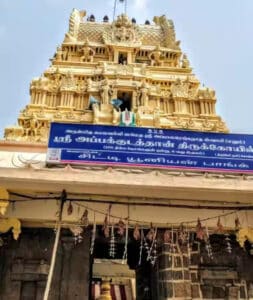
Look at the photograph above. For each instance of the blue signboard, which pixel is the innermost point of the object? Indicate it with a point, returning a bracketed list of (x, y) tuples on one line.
[(149, 147)]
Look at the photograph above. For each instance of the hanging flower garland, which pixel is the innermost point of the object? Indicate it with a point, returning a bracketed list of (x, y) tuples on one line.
[(220, 228), (121, 228), (84, 219), (153, 249), (208, 245), (112, 243), (70, 209), (106, 228), (126, 243), (228, 243), (77, 232), (141, 247), (182, 235), (167, 236), (237, 223), (189, 245), (93, 235), (136, 233), (200, 230), (149, 244)]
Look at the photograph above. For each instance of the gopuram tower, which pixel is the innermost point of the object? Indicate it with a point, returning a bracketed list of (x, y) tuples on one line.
[(142, 65)]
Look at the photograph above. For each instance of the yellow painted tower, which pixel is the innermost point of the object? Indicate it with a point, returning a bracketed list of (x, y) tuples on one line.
[(143, 65)]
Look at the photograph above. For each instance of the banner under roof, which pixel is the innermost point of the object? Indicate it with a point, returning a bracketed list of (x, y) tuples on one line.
[(149, 147)]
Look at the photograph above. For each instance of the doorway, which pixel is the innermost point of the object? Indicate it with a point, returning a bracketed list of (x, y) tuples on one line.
[(126, 98), (109, 267), (117, 274)]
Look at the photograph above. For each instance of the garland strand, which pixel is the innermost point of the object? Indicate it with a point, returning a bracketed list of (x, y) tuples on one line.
[(93, 235), (132, 220), (126, 242), (148, 222)]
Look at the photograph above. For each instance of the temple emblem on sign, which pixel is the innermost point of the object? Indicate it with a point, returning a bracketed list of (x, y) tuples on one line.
[(104, 73)]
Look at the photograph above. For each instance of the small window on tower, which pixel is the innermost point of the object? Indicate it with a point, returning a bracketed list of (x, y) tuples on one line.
[(122, 58), (126, 98)]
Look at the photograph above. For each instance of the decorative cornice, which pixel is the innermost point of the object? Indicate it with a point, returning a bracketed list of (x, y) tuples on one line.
[(146, 183)]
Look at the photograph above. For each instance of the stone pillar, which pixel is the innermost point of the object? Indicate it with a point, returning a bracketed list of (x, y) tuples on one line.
[(116, 56), (177, 106), (15, 290), (194, 271), (67, 99), (129, 58), (67, 245), (41, 285), (71, 100), (250, 291), (54, 100), (191, 108), (24, 266), (233, 293), (183, 107), (33, 94), (212, 108), (158, 102), (39, 99), (134, 100), (28, 290), (174, 276), (36, 97), (207, 108), (202, 108), (43, 97)]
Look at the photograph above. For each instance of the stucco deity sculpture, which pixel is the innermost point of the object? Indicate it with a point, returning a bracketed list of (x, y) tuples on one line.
[(59, 54), (105, 92), (180, 89), (185, 62), (87, 52), (143, 95), (95, 108), (155, 56), (89, 83), (68, 82)]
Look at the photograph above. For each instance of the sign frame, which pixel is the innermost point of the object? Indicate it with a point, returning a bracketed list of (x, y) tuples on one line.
[(155, 148)]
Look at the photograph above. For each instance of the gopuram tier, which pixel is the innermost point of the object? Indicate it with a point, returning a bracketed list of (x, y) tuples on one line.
[(107, 73)]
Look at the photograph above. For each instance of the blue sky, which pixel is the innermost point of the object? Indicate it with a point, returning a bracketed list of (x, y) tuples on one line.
[(217, 35)]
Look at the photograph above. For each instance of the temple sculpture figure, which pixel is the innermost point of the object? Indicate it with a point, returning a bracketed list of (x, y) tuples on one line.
[(143, 63)]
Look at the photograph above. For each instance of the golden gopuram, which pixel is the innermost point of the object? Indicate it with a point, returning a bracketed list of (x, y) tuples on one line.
[(96, 231), (143, 65)]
